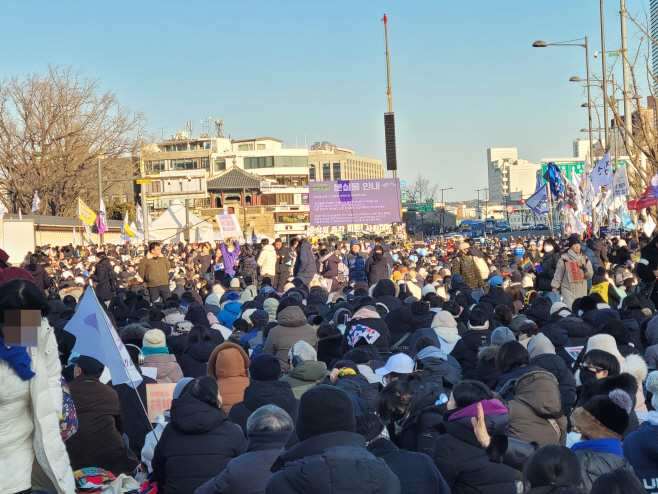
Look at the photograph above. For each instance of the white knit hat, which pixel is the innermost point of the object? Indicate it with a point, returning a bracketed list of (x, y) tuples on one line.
[(154, 338), (218, 289), (557, 307), (606, 343), (235, 283)]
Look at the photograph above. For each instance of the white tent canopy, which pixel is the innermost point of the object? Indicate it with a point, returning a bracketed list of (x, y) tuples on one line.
[(136, 240), (170, 226)]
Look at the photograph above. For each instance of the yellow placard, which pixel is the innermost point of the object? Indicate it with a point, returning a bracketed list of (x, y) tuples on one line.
[(85, 213)]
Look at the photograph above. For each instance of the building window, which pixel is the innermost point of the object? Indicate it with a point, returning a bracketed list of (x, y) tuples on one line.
[(311, 173), (185, 164), (246, 147), (326, 172), (268, 200), (260, 146), (262, 162), (205, 163), (291, 161), (292, 180), (156, 166), (336, 171), (181, 147), (220, 164)]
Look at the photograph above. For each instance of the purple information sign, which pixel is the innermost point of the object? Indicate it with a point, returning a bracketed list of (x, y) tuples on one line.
[(355, 202)]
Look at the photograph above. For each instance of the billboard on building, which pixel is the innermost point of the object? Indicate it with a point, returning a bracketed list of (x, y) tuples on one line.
[(349, 202)]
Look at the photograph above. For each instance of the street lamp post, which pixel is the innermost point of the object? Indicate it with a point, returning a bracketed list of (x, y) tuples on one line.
[(443, 209)]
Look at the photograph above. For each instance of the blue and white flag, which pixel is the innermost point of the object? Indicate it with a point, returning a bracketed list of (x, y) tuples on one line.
[(35, 202), (97, 338), (538, 202), (254, 239), (602, 172), (626, 222)]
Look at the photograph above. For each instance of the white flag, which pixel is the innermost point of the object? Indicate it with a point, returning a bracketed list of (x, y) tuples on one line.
[(575, 224), (35, 202), (20, 214), (75, 238), (148, 215), (538, 202), (97, 338), (3, 210), (620, 182), (602, 173), (87, 229), (139, 217), (649, 226)]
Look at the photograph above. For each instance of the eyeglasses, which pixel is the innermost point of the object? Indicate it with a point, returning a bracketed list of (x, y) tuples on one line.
[(595, 368)]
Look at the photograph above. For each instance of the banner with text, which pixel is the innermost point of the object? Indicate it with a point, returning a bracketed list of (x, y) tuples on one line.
[(85, 213), (349, 202), (229, 226)]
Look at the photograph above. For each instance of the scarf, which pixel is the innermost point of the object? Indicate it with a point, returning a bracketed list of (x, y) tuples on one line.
[(18, 359), (607, 445), (155, 350), (573, 256), (366, 312)]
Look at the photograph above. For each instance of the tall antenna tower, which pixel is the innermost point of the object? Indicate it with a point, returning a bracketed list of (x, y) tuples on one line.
[(389, 118)]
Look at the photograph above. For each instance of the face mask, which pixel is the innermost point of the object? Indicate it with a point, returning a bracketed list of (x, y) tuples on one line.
[(548, 248), (587, 376)]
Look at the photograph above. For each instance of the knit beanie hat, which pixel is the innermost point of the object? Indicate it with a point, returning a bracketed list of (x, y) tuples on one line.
[(154, 338), (218, 289), (604, 416), (557, 307), (324, 409), (265, 367), (180, 386), (652, 387), (573, 240), (259, 318), (502, 335), (197, 315), (235, 283)]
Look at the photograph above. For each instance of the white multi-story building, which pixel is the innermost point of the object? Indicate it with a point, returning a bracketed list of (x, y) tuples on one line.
[(328, 162), (580, 148), (510, 176)]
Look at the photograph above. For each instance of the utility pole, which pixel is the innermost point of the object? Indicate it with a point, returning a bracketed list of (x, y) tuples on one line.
[(605, 81), (100, 197), (627, 97), (443, 209), (478, 203), (389, 95)]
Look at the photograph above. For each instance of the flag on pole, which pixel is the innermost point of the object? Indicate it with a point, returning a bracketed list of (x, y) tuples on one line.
[(649, 226), (626, 222), (20, 214), (101, 219), (139, 217), (653, 183), (148, 216), (75, 238), (254, 239), (620, 182), (125, 227), (538, 202), (644, 201), (97, 338), (602, 173), (553, 176), (35, 202), (3, 210), (87, 229), (575, 224)]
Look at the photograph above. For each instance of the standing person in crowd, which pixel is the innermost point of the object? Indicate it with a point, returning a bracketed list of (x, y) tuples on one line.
[(377, 267), (330, 270), (647, 269), (355, 260), (229, 254), (154, 270), (266, 261), (305, 266), (39, 275), (465, 266), (283, 262), (572, 288), (202, 263), (31, 401), (104, 278)]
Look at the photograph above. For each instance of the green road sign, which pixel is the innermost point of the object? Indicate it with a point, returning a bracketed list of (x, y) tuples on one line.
[(425, 207)]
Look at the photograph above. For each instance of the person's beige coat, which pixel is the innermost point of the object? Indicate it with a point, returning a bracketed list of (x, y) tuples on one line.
[(267, 260), (168, 369), (571, 291), (32, 453), (292, 327)]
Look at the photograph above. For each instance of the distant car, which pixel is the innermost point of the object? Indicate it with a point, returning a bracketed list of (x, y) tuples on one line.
[(526, 226), (541, 226)]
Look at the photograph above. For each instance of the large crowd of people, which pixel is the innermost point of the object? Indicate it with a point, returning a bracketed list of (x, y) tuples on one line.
[(455, 365)]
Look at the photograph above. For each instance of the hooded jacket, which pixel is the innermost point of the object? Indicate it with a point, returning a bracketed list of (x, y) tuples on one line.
[(229, 258), (261, 393), (436, 368), (196, 446), (154, 270), (377, 268), (267, 260), (305, 266), (486, 370), (194, 362), (104, 277), (399, 322), (578, 330), (168, 369), (356, 263), (386, 292), (305, 375), (229, 314), (229, 364), (496, 297), (291, 328), (466, 349), (641, 450), (333, 463), (542, 354), (372, 320), (559, 338), (445, 327)]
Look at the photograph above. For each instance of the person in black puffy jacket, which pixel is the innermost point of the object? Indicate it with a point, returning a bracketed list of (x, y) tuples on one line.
[(330, 457), (467, 347), (385, 292), (194, 360), (104, 277), (198, 443), (264, 389)]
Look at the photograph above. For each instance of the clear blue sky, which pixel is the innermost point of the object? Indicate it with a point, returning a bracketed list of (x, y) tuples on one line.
[(464, 74)]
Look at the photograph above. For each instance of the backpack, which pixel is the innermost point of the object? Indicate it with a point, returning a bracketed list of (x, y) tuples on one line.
[(343, 276)]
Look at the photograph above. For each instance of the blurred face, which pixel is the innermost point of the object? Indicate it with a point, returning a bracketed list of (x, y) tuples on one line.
[(278, 245), (576, 248), (356, 248), (156, 251)]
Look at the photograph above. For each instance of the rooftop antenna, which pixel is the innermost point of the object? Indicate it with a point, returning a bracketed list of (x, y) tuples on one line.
[(189, 128), (219, 127)]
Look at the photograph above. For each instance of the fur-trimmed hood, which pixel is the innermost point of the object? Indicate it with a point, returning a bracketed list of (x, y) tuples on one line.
[(488, 353), (636, 367)]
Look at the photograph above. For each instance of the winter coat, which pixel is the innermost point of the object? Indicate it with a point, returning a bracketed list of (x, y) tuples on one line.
[(465, 465), (357, 385), (136, 423), (229, 258), (196, 446), (41, 279), (229, 364), (465, 266), (377, 268), (641, 451), (385, 292), (333, 463), (99, 441), (648, 263), (283, 257), (305, 375), (416, 471), (559, 338), (267, 260), (330, 271), (467, 347), (245, 268), (356, 262), (418, 430), (572, 290), (168, 369), (105, 279), (194, 362), (382, 343), (600, 252), (535, 409), (567, 384), (434, 366), (548, 265), (291, 328), (154, 270), (248, 473), (29, 422), (594, 463), (486, 370), (400, 324), (305, 266), (496, 297), (634, 332), (261, 393), (202, 263), (577, 329), (229, 314)]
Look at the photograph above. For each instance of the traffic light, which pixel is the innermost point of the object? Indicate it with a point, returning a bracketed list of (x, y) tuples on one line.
[(516, 210)]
